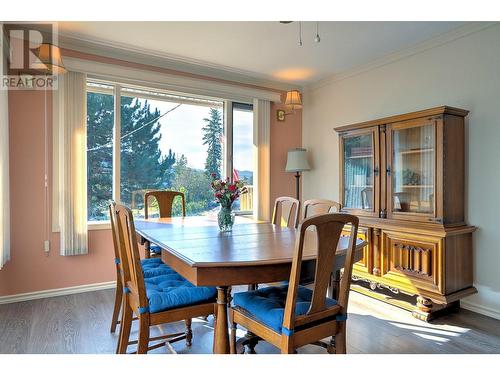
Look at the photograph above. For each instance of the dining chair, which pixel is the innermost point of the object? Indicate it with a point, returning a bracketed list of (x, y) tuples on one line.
[(155, 300), (291, 316), (313, 207), (151, 267), (165, 200), (286, 212)]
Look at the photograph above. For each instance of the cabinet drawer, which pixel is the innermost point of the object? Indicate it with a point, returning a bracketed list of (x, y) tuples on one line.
[(365, 264), (414, 262)]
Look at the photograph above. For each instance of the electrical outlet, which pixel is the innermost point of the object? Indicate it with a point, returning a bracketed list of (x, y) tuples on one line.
[(46, 246)]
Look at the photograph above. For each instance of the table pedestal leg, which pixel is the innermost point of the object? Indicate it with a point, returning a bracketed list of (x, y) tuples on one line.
[(221, 334)]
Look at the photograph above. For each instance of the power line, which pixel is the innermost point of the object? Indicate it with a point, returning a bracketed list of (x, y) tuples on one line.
[(110, 144)]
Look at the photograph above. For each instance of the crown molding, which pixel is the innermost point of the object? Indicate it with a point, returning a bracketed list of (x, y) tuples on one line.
[(150, 57), (434, 42)]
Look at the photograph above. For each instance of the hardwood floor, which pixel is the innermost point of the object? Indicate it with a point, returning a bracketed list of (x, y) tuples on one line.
[(79, 323)]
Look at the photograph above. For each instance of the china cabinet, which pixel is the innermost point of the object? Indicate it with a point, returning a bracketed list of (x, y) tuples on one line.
[(404, 177)]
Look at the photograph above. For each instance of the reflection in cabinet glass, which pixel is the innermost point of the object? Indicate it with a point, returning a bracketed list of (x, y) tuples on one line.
[(358, 172), (413, 169)]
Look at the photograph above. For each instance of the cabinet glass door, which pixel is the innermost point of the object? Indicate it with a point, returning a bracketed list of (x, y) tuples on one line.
[(359, 160), (413, 169)]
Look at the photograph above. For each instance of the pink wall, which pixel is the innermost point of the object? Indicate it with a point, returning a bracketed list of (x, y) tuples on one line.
[(285, 135), (30, 269)]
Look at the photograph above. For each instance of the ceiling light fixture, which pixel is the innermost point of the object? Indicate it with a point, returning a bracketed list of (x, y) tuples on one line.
[(317, 38)]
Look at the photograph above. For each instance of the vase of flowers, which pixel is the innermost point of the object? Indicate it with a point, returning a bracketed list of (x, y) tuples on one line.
[(225, 193)]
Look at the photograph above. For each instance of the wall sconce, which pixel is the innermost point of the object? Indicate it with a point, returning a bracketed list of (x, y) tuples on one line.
[(50, 58), (293, 101)]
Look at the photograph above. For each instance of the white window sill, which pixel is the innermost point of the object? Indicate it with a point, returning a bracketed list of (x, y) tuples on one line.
[(98, 225)]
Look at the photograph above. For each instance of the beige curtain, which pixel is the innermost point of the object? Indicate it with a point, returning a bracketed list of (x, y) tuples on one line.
[(4, 175), (261, 141), (72, 164)]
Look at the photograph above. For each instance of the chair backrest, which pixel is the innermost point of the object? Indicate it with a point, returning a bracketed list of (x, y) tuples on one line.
[(165, 199), (286, 212), (313, 207), (130, 260), (323, 233)]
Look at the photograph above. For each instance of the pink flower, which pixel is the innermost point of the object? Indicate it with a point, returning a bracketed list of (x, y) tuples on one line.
[(232, 188)]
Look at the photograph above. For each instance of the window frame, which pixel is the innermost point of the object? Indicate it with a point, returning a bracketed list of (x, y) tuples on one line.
[(116, 90)]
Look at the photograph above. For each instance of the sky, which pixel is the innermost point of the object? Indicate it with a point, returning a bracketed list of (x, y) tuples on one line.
[(182, 132)]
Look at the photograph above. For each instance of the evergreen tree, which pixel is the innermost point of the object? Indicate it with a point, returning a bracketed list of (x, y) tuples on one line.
[(142, 164), (212, 138), (100, 114), (141, 159)]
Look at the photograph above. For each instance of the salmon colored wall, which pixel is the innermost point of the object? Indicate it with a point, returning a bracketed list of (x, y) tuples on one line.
[(284, 136), (30, 269)]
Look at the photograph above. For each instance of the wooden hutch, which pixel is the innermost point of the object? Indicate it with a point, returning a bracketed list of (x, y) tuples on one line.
[(404, 177)]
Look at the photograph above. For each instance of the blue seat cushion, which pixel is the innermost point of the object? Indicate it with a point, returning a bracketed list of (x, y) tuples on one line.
[(267, 305), (155, 249), (155, 267), (171, 291)]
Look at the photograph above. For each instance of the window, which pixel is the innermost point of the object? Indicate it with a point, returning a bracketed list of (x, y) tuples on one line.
[(243, 148), (141, 139)]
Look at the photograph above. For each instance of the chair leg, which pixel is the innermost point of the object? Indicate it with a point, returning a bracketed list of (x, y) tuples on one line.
[(287, 345), (340, 339), (125, 326), (116, 309), (189, 333), (143, 342), (232, 337)]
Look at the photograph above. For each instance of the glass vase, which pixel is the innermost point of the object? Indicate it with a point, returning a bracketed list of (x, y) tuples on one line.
[(225, 218)]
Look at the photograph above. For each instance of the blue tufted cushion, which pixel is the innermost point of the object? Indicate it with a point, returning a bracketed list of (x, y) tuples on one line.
[(155, 249), (155, 267), (171, 291), (267, 305)]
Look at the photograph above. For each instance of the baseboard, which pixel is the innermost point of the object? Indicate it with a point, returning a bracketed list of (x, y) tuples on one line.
[(483, 310), (56, 292)]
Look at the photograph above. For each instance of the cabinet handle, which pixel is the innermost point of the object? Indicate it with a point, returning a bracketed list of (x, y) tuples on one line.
[(388, 171), (376, 171)]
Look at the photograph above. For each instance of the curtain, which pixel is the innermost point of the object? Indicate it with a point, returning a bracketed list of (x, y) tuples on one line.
[(4, 177), (261, 140), (72, 165)]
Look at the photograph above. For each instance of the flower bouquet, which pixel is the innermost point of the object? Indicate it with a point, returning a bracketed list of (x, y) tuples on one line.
[(226, 192)]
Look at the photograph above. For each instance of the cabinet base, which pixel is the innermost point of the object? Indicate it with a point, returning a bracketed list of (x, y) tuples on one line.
[(419, 309)]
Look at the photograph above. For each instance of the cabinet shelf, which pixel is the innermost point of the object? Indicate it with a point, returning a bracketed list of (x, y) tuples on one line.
[(416, 151), (360, 156), (417, 186)]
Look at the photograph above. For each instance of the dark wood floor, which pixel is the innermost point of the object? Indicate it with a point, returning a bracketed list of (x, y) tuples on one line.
[(79, 323)]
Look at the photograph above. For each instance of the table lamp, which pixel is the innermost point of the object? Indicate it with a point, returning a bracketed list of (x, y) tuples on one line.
[(297, 162)]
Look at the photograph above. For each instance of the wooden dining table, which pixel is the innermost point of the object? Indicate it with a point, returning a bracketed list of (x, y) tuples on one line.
[(254, 252)]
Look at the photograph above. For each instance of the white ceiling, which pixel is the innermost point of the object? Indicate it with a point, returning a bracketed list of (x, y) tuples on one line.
[(265, 50)]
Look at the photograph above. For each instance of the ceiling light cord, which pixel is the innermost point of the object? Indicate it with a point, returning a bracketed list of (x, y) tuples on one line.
[(300, 33)]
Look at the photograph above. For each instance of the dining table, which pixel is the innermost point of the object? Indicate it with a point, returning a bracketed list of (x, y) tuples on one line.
[(254, 252)]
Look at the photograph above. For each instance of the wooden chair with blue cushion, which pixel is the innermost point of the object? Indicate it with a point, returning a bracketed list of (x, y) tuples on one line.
[(151, 267), (291, 316), (165, 200), (154, 300)]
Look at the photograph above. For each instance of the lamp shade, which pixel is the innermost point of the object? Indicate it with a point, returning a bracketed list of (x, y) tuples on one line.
[(293, 99), (297, 160), (50, 56)]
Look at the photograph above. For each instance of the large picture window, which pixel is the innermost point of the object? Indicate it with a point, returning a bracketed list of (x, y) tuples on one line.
[(142, 139)]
